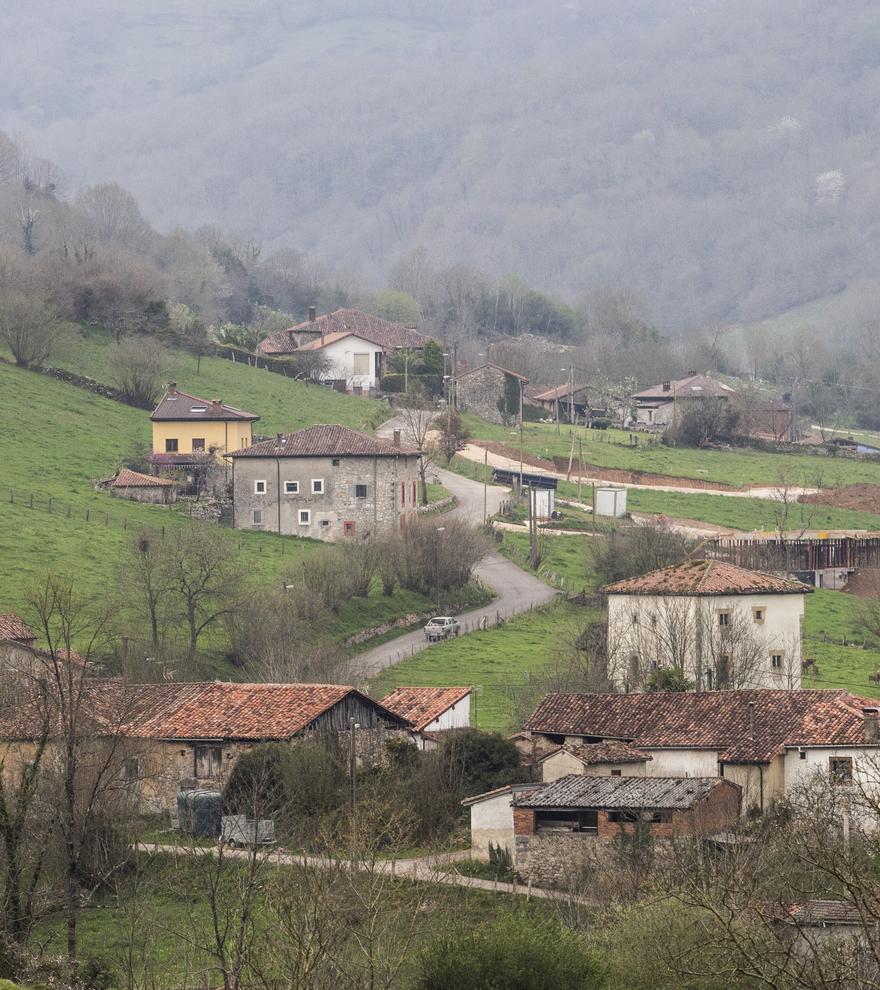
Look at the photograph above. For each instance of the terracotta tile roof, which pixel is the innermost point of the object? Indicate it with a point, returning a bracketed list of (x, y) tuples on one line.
[(706, 577), (558, 392), (422, 705), (713, 720), (133, 479), (497, 367), (827, 912), (12, 627), (346, 321), (210, 710), (699, 386), (177, 405), (324, 441), (592, 754), (579, 791)]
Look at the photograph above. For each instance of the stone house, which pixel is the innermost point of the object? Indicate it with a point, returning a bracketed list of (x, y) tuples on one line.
[(603, 759), (768, 742), (561, 402), (718, 624), (143, 487), (356, 345), (430, 710), (491, 392), (183, 736), (324, 482), (562, 825), (660, 406)]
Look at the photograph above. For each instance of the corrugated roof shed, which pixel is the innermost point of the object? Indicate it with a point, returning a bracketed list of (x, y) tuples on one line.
[(578, 791)]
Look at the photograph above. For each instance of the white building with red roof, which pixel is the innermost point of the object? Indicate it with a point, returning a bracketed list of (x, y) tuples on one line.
[(711, 623), (431, 709)]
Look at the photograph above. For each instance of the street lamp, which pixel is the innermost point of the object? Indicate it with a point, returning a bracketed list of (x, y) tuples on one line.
[(438, 529)]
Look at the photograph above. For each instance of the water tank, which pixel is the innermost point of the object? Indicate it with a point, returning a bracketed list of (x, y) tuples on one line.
[(200, 812), (610, 501)]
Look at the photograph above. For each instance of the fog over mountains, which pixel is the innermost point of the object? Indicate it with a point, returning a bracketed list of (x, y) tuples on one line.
[(719, 157)]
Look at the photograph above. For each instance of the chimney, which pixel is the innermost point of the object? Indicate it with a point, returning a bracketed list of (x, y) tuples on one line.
[(871, 726), (172, 386), (216, 403), (752, 719), (313, 314), (397, 438), (667, 386)]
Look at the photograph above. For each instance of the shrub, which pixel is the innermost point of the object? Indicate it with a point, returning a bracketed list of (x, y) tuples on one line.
[(476, 761), (516, 952)]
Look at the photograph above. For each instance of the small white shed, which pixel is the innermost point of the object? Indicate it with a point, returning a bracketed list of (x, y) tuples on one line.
[(610, 502), (492, 818)]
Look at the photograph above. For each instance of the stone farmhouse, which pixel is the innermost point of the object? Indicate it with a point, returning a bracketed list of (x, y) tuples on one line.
[(768, 742), (324, 482), (355, 345), (167, 737), (560, 826), (661, 405), (143, 487), (492, 392), (430, 710), (718, 624), (185, 428)]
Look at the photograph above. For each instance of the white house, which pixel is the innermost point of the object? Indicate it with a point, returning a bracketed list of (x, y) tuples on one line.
[(767, 741), (492, 818), (351, 359), (717, 624), (430, 710)]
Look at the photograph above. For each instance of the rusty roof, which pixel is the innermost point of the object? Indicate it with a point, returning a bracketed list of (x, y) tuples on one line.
[(558, 392), (134, 479), (324, 441), (742, 726), (592, 754), (422, 705), (706, 577), (13, 627), (579, 791), (340, 322), (176, 405), (827, 912)]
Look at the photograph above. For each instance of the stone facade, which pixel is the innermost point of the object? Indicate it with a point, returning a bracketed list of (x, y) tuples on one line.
[(479, 391), (325, 498)]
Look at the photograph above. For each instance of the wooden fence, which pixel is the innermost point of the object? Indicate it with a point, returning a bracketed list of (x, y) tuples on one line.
[(774, 554)]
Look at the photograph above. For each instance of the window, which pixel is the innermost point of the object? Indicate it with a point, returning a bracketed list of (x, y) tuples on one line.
[(305, 517), (209, 760), (776, 661), (291, 488), (724, 618), (635, 618), (802, 754), (317, 486), (360, 491), (403, 493), (758, 616), (259, 488), (413, 493), (840, 768), (567, 821), (361, 364), (348, 528), (325, 523), (171, 445), (615, 773), (258, 517), (198, 443), (131, 768), (335, 462)]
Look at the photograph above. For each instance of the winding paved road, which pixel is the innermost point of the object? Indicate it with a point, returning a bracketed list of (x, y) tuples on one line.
[(515, 590)]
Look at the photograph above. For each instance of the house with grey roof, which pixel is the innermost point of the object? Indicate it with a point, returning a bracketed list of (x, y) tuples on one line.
[(325, 482), (661, 406)]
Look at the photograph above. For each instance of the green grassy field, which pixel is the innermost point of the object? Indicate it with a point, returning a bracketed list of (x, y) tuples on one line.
[(562, 557), (57, 440), (830, 618), (500, 663), (611, 448)]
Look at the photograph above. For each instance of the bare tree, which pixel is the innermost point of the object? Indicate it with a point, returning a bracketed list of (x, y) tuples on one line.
[(417, 423), (145, 575), (29, 328), (138, 369), (452, 434)]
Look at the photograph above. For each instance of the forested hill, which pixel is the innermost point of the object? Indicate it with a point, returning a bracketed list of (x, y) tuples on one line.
[(720, 157)]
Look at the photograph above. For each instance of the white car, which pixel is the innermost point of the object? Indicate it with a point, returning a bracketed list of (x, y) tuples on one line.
[(441, 627)]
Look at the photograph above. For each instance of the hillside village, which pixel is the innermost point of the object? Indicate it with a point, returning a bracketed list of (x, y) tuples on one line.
[(437, 634)]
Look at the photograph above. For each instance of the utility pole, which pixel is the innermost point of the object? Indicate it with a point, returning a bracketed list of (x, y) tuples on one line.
[(352, 725), (485, 485), (438, 529), (520, 435), (571, 396)]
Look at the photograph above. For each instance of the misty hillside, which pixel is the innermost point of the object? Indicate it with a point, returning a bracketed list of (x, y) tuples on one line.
[(719, 157)]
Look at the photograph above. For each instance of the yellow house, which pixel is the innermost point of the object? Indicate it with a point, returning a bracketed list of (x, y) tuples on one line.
[(185, 424)]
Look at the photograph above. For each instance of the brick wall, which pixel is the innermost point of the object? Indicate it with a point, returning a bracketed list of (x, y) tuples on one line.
[(523, 821)]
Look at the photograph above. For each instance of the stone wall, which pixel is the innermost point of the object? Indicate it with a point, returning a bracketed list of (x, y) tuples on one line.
[(479, 392), (391, 493)]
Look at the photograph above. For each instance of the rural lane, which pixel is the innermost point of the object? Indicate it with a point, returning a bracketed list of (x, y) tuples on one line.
[(515, 590)]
